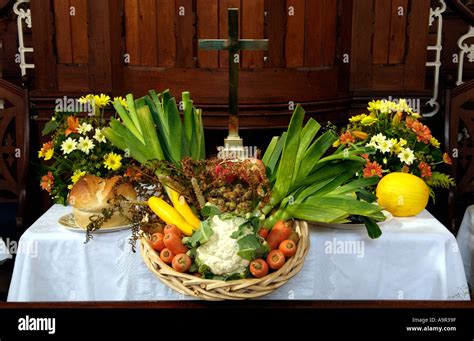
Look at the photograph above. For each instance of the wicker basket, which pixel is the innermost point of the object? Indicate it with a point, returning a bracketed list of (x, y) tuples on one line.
[(215, 290)]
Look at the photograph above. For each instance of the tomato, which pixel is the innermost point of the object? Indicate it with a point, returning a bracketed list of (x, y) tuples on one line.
[(258, 268), (157, 241), (166, 256), (181, 262), (263, 232), (275, 259), (288, 247), (169, 228)]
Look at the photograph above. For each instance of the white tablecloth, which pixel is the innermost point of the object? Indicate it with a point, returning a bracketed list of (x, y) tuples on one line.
[(465, 240), (415, 259)]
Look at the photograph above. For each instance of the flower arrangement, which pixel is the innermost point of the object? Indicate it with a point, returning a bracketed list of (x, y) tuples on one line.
[(78, 147), (401, 141)]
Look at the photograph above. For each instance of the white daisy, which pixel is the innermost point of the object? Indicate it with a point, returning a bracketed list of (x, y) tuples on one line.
[(85, 145), (98, 136), (84, 128), (407, 156), (385, 146), (68, 146)]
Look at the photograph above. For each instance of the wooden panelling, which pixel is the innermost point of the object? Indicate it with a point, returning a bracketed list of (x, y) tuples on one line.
[(329, 33), (73, 78), (275, 28), (252, 28), (80, 50), (361, 55), (396, 54), (313, 32), (361, 42), (185, 33), (166, 32), (417, 35), (132, 31), (100, 64), (207, 12), (382, 29), (45, 59), (63, 36), (295, 33), (223, 28), (147, 31)]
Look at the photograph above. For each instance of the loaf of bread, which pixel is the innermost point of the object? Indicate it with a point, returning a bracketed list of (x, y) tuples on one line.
[(91, 194)]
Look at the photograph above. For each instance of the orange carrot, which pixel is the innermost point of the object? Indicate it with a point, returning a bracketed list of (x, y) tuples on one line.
[(166, 256), (279, 233), (174, 244)]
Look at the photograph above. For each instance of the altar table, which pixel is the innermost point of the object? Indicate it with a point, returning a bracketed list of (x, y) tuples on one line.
[(416, 258), (465, 240)]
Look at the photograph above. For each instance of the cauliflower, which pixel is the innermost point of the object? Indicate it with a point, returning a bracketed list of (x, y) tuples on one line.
[(219, 253)]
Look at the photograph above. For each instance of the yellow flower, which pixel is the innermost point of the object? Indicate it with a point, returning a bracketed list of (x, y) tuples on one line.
[(86, 99), (112, 161), (122, 101), (101, 100), (77, 175), (48, 154), (434, 142), (357, 118), (368, 121), (415, 115), (336, 143)]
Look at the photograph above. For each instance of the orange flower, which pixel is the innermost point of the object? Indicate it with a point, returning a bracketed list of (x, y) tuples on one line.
[(447, 159), (46, 151), (47, 182), (425, 170), (132, 173), (397, 118), (405, 169), (423, 133), (372, 169), (347, 138), (410, 122), (73, 124), (360, 134), (365, 156)]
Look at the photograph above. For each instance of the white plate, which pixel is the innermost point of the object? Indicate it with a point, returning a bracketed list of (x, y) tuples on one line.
[(68, 222), (348, 226)]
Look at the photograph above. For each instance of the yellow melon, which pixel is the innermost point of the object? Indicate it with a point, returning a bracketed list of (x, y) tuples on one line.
[(402, 194)]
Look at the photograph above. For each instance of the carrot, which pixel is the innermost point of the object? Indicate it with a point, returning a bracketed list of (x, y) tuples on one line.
[(166, 256), (174, 244), (263, 232), (169, 228), (288, 247), (157, 241), (181, 262), (275, 259), (279, 233), (258, 268)]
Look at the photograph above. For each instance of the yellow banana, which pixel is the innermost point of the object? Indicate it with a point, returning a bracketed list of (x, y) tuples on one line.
[(183, 208), (169, 215)]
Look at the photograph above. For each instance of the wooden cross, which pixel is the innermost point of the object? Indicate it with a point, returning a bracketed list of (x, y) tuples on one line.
[(233, 44)]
